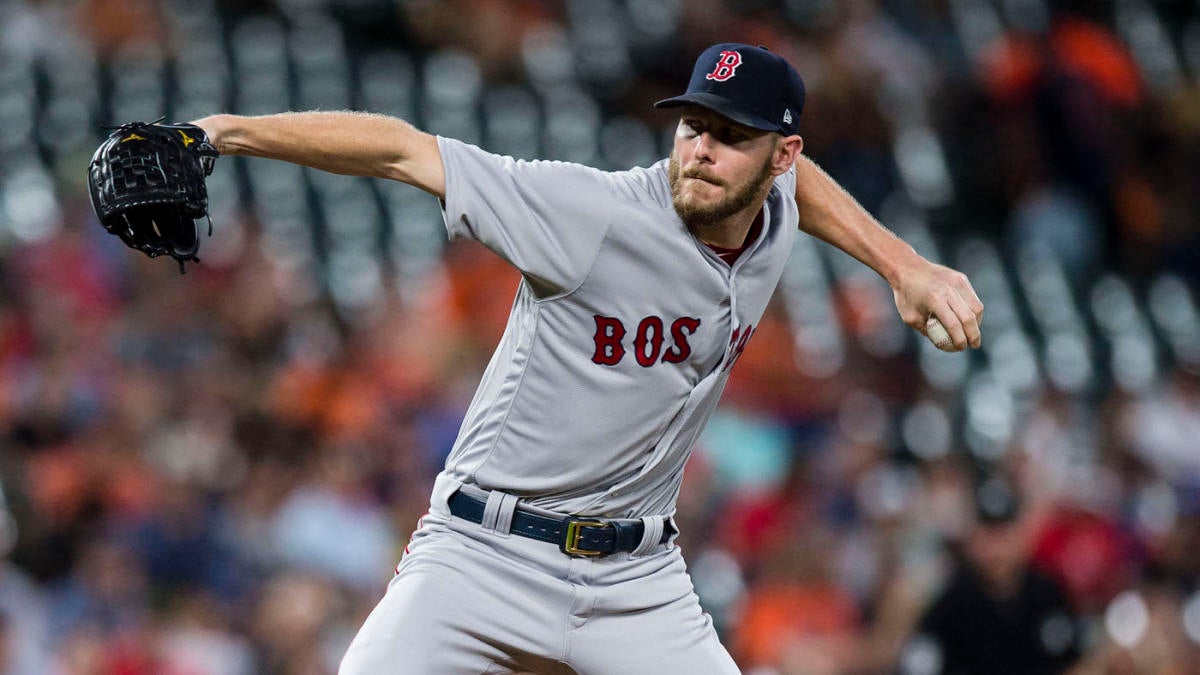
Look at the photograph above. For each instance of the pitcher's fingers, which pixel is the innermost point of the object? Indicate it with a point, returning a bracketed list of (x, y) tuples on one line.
[(953, 325), (967, 291), (968, 319)]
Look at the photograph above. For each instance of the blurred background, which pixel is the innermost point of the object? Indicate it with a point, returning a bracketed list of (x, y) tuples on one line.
[(216, 473)]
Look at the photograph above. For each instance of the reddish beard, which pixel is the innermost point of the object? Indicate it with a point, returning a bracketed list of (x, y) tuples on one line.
[(699, 216)]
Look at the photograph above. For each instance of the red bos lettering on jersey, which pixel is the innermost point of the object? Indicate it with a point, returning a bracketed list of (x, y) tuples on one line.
[(726, 66), (737, 344), (649, 339)]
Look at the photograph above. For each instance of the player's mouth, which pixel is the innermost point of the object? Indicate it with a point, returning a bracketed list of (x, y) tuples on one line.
[(703, 178)]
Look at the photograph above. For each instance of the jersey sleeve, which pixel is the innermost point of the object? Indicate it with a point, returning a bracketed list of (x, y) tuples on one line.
[(548, 219)]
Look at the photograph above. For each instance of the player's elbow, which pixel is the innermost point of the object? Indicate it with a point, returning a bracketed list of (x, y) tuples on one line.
[(418, 163)]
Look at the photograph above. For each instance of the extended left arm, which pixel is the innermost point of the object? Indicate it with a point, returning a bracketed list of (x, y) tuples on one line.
[(922, 289)]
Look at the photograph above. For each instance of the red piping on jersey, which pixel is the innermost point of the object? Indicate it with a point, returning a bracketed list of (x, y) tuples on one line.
[(730, 255)]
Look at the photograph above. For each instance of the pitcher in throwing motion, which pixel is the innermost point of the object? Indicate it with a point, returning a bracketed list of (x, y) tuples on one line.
[(548, 546)]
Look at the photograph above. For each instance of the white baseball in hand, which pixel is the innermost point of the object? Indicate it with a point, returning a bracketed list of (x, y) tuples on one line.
[(938, 335)]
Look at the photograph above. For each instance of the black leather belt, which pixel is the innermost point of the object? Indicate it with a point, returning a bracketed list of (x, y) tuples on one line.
[(574, 536)]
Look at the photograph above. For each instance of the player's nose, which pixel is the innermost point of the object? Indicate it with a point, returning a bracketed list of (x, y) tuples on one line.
[(704, 147)]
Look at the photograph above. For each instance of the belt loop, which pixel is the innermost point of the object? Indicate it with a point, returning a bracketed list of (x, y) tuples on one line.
[(652, 529), (498, 512)]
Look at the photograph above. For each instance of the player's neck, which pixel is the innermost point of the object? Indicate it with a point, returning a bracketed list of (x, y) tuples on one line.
[(731, 232)]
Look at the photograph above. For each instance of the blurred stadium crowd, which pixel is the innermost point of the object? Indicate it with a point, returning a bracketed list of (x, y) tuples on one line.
[(215, 473)]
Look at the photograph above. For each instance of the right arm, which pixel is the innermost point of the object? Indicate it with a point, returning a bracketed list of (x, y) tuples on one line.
[(921, 288), (348, 143)]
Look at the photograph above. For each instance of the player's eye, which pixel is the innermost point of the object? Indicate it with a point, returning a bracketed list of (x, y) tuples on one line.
[(727, 136)]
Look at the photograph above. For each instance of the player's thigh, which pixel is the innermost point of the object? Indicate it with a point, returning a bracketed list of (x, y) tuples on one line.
[(450, 610), (651, 624), (418, 626), (676, 640)]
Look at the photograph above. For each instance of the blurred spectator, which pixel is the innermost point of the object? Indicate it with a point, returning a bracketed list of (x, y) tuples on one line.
[(331, 525), (291, 623), (8, 649), (197, 639), (997, 614), (106, 592), (24, 645), (1088, 552), (24, 636), (796, 618), (1162, 427)]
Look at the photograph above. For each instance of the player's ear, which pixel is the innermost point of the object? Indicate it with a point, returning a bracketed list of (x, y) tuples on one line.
[(787, 150)]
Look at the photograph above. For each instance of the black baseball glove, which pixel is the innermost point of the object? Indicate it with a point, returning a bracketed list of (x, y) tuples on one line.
[(147, 187)]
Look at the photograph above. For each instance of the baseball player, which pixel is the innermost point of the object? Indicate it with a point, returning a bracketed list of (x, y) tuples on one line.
[(548, 546)]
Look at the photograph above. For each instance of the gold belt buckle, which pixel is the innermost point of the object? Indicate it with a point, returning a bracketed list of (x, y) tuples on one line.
[(570, 544)]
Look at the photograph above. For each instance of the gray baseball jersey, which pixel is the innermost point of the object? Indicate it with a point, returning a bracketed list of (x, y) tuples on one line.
[(618, 346), (621, 336)]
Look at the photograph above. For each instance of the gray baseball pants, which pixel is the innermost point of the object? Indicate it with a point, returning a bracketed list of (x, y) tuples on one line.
[(468, 600)]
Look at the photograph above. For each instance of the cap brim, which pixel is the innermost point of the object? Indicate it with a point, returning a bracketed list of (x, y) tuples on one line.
[(719, 105)]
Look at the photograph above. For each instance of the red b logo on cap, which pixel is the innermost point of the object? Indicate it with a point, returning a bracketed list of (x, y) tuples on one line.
[(726, 65)]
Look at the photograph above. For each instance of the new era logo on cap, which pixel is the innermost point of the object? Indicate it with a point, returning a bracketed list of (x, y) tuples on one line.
[(749, 85)]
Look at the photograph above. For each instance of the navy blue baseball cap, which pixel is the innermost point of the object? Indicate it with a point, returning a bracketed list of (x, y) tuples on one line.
[(749, 85)]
